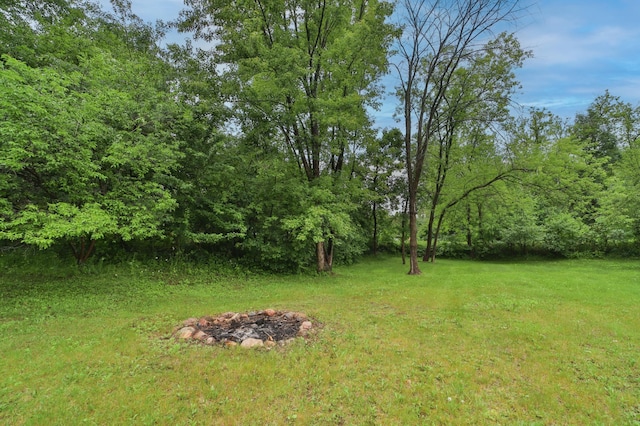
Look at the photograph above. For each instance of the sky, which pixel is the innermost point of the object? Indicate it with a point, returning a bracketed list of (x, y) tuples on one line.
[(581, 49)]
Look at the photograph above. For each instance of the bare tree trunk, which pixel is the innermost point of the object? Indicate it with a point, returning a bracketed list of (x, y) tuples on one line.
[(321, 265), (83, 252), (437, 38), (429, 249), (435, 237), (414, 269), (443, 167), (470, 232), (403, 246), (375, 229), (324, 255)]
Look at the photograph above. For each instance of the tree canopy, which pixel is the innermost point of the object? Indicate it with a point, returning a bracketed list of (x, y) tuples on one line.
[(255, 142), (86, 134)]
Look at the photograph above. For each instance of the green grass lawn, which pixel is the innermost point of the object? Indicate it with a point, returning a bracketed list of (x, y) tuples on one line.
[(465, 343)]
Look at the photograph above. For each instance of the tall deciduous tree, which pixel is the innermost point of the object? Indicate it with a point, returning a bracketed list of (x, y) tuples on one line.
[(439, 37), (549, 208), (475, 101), (210, 174), (380, 169), (304, 71), (85, 135), (611, 131), (604, 127)]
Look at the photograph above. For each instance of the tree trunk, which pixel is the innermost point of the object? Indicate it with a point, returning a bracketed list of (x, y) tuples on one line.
[(403, 246), (414, 269), (83, 252), (429, 249), (436, 234), (481, 233), (470, 233), (324, 260), (443, 167), (375, 229)]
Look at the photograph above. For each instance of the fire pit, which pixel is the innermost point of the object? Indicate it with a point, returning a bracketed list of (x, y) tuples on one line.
[(262, 328)]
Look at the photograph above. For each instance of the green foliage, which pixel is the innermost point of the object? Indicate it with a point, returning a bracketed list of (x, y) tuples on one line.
[(326, 216), (607, 127), (259, 153), (564, 234), (379, 167), (299, 84), (86, 138)]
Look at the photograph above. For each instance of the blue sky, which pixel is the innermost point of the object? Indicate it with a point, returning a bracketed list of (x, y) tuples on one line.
[(581, 48)]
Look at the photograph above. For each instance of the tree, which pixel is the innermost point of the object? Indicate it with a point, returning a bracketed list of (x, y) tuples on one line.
[(303, 72), (605, 127), (86, 141), (480, 168), (551, 207), (22, 20), (380, 170), (439, 37), (617, 218), (211, 173), (475, 101)]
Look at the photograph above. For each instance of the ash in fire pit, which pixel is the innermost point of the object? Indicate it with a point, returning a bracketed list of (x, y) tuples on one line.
[(262, 328)]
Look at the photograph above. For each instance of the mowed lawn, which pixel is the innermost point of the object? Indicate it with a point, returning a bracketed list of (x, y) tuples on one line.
[(547, 342)]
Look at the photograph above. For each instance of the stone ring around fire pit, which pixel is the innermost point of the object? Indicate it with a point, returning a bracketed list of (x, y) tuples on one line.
[(266, 328)]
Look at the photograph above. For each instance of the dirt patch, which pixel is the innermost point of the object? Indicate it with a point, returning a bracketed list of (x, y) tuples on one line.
[(262, 328)]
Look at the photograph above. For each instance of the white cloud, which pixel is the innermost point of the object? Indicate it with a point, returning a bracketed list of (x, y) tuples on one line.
[(581, 49), (561, 42)]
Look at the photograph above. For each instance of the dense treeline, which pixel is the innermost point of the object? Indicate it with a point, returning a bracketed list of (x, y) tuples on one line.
[(261, 147)]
